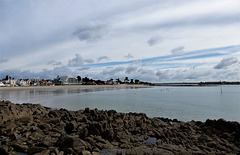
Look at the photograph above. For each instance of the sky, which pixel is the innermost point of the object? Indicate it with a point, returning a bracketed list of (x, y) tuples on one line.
[(149, 40)]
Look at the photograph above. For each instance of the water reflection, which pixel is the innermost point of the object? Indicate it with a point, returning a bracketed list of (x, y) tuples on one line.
[(34, 95), (183, 103), (68, 91)]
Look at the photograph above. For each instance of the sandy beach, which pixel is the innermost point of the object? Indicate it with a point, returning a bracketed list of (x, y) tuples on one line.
[(71, 86)]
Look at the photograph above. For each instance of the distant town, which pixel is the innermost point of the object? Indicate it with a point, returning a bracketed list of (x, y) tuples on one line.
[(9, 81)]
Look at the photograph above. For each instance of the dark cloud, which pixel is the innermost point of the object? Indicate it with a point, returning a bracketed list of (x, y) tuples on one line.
[(178, 50), (129, 56), (54, 63), (14, 73), (84, 68), (44, 74), (225, 62), (140, 63), (76, 62), (162, 75), (3, 60), (113, 71), (145, 71), (89, 61), (154, 40), (131, 69), (91, 32), (102, 58)]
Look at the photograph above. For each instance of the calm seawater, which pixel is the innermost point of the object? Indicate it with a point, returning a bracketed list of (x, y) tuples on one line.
[(182, 103)]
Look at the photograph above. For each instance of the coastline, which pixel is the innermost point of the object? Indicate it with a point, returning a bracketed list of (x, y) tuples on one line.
[(73, 86), (32, 128)]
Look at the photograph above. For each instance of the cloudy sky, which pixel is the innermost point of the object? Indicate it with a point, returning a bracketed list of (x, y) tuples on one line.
[(149, 40)]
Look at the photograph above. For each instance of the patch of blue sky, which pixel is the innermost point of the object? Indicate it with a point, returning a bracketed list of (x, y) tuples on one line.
[(226, 49), (157, 58), (153, 60), (107, 64), (177, 65), (168, 67), (198, 54)]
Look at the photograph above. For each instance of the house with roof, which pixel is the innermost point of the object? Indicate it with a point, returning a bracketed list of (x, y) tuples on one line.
[(66, 80), (8, 81), (1, 84), (23, 82)]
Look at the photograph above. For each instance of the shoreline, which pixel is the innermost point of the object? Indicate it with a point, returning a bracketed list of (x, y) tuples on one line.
[(90, 86), (33, 128), (73, 86)]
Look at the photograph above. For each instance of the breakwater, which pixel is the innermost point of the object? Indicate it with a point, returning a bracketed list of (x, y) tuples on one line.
[(34, 129)]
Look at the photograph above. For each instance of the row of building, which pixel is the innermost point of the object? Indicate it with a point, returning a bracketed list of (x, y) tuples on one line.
[(63, 80), (25, 82)]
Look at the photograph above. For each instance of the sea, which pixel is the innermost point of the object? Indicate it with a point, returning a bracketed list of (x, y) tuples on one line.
[(181, 103)]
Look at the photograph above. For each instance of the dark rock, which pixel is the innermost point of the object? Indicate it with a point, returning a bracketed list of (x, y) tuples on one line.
[(25, 119), (69, 151), (93, 113), (38, 130), (90, 140), (44, 126), (44, 152), (53, 114), (19, 147), (35, 149), (13, 136), (108, 134), (95, 129), (86, 153), (87, 110), (79, 149), (70, 127), (111, 113), (74, 142), (3, 150)]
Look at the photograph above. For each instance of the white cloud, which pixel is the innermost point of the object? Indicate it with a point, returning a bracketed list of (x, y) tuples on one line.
[(57, 30), (185, 14), (128, 56)]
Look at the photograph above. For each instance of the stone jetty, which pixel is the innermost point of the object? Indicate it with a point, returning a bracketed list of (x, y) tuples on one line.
[(34, 129)]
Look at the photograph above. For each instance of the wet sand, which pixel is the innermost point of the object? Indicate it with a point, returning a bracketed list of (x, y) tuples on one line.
[(71, 86)]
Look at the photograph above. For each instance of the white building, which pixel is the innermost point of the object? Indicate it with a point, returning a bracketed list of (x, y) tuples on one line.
[(2, 85), (66, 80), (23, 82)]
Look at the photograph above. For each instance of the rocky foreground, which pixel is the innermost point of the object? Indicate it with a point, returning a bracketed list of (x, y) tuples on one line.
[(34, 129)]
